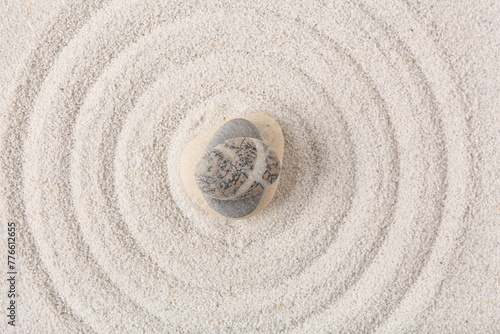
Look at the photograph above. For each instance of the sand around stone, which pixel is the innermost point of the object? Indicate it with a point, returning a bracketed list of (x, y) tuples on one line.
[(241, 206)]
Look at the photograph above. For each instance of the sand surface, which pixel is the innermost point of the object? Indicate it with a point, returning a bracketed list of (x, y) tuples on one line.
[(386, 218)]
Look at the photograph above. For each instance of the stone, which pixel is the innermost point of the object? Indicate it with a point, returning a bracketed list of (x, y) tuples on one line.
[(238, 208), (257, 126), (237, 168)]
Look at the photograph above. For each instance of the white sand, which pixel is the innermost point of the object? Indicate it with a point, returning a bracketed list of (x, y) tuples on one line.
[(387, 215)]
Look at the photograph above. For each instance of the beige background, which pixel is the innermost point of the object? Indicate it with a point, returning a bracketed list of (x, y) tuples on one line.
[(465, 289)]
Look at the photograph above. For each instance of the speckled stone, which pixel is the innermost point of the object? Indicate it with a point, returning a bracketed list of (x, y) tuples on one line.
[(237, 168), (238, 127)]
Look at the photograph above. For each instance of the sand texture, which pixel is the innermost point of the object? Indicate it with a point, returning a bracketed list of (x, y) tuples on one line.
[(387, 214)]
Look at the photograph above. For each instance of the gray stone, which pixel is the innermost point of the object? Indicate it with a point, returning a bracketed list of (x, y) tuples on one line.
[(237, 127)]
